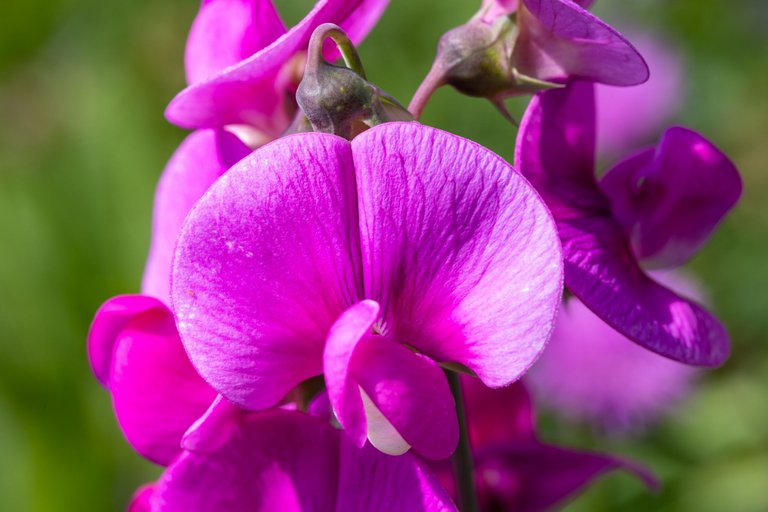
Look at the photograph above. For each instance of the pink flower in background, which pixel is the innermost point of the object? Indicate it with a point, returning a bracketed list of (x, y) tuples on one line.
[(516, 471), (371, 262), (242, 62), (630, 116), (591, 372), (657, 207)]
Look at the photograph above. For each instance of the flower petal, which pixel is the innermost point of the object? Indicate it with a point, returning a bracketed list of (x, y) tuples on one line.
[(157, 394), (670, 198), (457, 248), (343, 391), (497, 415), (200, 160), (412, 394), (559, 41), (289, 461), (228, 31), (533, 477), (109, 321), (141, 500), (555, 142), (265, 264), (251, 91)]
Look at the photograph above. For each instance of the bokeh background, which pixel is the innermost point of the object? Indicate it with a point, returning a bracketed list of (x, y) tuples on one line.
[(83, 85)]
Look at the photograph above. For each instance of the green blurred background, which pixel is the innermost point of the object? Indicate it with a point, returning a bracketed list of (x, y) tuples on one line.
[(83, 85)]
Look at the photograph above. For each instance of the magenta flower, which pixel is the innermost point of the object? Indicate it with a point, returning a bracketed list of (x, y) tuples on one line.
[(658, 206), (516, 471), (242, 64), (591, 372), (371, 262), (628, 117), (293, 462)]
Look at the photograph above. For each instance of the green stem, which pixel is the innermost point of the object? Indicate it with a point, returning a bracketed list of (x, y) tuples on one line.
[(345, 46), (463, 466)]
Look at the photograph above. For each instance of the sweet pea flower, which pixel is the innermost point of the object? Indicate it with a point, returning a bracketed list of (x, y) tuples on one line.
[(655, 208), (371, 262), (513, 47), (514, 469), (243, 66), (590, 372), (293, 462)]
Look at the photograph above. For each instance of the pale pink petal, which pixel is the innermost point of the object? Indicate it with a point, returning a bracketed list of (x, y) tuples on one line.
[(197, 163), (457, 248), (264, 266)]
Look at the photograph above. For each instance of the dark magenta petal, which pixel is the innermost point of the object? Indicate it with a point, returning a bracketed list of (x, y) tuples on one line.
[(213, 428), (457, 248), (156, 392), (497, 415), (555, 145), (197, 163), (141, 500), (292, 462), (252, 91), (264, 266), (228, 31), (560, 41), (533, 477), (670, 198)]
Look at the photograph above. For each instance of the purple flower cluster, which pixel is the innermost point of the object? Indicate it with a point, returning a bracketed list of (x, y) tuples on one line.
[(326, 320)]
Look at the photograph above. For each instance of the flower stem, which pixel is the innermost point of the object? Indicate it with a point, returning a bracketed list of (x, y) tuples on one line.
[(434, 80), (346, 48), (463, 466)]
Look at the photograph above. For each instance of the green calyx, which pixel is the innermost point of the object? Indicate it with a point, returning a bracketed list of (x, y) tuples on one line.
[(337, 99)]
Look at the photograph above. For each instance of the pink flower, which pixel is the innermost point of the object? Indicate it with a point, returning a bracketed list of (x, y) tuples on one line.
[(591, 372), (656, 207), (243, 66), (371, 262)]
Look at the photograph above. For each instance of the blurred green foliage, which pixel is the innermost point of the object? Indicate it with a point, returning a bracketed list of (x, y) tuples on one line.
[(83, 85)]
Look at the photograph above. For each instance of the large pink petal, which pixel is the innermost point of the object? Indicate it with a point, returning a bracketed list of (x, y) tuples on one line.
[(555, 135), (265, 264), (228, 31), (142, 499), (561, 41), (670, 198), (197, 163), (289, 461), (252, 91), (533, 477), (157, 394), (457, 248)]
